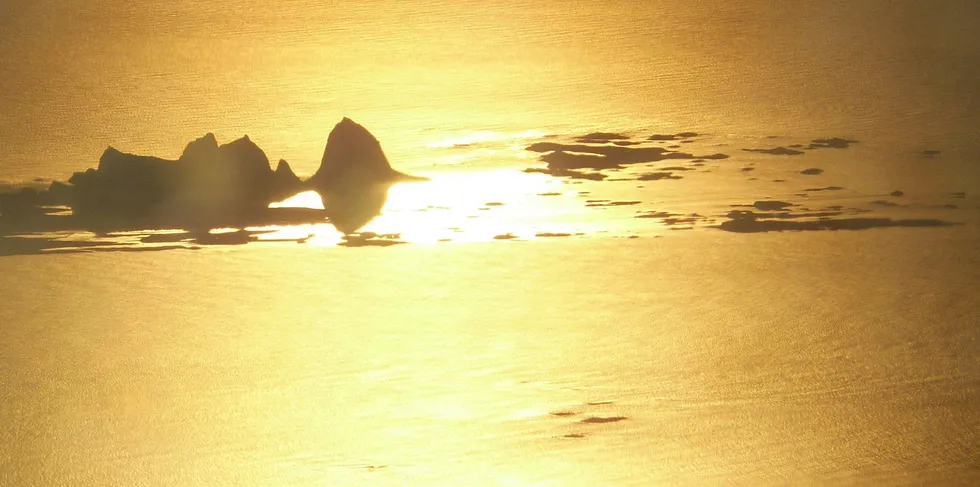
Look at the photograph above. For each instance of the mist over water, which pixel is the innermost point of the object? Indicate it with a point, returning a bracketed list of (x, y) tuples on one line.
[(663, 243)]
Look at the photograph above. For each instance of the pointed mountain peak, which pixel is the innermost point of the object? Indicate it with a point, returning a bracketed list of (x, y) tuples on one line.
[(283, 169), (353, 156), (203, 147)]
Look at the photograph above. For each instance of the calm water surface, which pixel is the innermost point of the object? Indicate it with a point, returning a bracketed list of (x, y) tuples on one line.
[(674, 357), (732, 359), (78, 76)]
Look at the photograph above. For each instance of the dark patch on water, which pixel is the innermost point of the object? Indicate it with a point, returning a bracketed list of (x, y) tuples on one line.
[(777, 151), (741, 221), (599, 137), (371, 239), (612, 203), (884, 203), (567, 173), (563, 414), (677, 136), (768, 205), (656, 176), (828, 188), (758, 226), (603, 419), (831, 143)]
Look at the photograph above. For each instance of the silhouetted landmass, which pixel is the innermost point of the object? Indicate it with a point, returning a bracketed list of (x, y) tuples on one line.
[(813, 171), (897, 194), (209, 186), (354, 177), (930, 153), (778, 151)]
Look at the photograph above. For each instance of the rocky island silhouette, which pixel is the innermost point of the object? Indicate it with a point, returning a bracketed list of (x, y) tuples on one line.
[(210, 186)]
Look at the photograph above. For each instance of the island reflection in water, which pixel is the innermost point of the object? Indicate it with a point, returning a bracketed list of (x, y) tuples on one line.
[(595, 184)]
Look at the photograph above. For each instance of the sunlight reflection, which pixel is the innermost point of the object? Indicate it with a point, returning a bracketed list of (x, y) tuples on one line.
[(463, 206), (458, 206), (306, 199)]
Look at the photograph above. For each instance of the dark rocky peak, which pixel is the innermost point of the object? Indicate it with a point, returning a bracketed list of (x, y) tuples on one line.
[(354, 156), (283, 170), (245, 156), (116, 166), (201, 150)]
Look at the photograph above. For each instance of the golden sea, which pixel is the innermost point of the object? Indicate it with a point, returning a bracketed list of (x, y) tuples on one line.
[(530, 330)]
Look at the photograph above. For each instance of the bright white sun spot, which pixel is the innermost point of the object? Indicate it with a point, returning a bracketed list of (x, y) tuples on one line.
[(306, 199), (463, 206), (458, 206)]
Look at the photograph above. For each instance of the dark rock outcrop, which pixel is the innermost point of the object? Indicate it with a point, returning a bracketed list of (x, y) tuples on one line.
[(354, 177), (353, 157), (209, 185)]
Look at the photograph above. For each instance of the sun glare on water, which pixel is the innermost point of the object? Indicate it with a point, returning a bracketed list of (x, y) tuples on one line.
[(306, 199), (462, 206), (459, 206)]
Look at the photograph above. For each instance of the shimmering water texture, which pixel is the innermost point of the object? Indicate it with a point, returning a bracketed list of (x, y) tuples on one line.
[(657, 242), (600, 184)]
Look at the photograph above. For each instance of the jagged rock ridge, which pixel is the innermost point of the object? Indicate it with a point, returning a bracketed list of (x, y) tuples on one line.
[(213, 185)]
